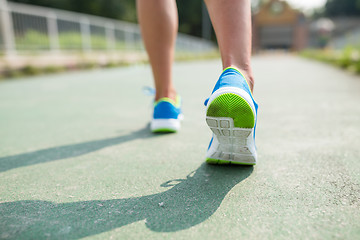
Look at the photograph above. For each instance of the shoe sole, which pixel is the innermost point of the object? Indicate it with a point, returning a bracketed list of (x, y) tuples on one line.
[(231, 118), (165, 125)]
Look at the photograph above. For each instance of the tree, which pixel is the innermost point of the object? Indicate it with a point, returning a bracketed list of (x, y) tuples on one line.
[(335, 8), (190, 18), (117, 9)]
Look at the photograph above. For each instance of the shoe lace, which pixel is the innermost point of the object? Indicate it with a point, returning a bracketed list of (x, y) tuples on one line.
[(148, 91)]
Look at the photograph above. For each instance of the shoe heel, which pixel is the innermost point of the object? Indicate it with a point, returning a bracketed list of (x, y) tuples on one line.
[(165, 125), (231, 119)]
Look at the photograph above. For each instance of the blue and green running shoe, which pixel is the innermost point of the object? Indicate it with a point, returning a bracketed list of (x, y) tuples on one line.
[(231, 115), (167, 115)]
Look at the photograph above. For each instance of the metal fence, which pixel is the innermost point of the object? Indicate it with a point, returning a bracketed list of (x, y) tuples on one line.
[(25, 28)]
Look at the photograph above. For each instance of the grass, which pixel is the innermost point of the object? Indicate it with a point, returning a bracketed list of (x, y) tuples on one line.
[(31, 70), (35, 40), (348, 58)]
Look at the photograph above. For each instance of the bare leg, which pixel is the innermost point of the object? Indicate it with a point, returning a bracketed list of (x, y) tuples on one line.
[(159, 24), (232, 23)]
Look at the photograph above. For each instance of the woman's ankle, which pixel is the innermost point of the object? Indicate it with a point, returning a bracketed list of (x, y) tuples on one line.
[(247, 72), (165, 93)]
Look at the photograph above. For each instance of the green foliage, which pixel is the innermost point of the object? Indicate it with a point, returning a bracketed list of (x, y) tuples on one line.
[(345, 60), (34, 40), (190, 18), (334, 8), (30, 70), (117, 9), (70, 40), (348, 58), (53, 69)]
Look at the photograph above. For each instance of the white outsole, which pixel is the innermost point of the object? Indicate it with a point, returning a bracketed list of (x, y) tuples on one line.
[(230, 143), (168, 124)]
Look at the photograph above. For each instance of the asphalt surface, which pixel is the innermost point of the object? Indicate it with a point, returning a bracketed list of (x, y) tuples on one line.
[(77, 158)]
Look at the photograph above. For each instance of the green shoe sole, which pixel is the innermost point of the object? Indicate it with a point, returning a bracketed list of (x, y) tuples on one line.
[(164, 130), (225, 162), (233, 106)]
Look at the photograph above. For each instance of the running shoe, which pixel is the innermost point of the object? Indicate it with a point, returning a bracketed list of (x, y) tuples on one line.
[(231, 114), (167, 115)]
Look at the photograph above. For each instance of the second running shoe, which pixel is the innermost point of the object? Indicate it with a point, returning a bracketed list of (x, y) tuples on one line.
[(167, 115)]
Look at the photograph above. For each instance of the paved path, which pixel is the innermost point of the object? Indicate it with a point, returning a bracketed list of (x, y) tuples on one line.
[(77, 159)]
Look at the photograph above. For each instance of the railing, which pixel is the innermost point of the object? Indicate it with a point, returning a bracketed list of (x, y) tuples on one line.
[(26, 28)]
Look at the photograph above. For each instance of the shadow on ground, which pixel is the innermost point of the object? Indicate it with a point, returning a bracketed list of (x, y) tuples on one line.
[(188, 202), (68, 151)]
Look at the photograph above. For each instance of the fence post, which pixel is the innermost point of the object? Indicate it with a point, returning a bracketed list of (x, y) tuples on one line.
[(53, 32), (6, 28), (110, 36), (85, 34)]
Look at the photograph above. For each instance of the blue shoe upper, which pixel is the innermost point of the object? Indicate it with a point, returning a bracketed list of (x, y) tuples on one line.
[(231, 77), (165, 109)]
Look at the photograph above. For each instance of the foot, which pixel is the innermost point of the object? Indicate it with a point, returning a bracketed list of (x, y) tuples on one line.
[(231, 115), (167, 115)]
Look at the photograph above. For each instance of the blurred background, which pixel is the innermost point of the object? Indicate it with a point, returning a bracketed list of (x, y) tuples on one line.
[(65, 34)]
